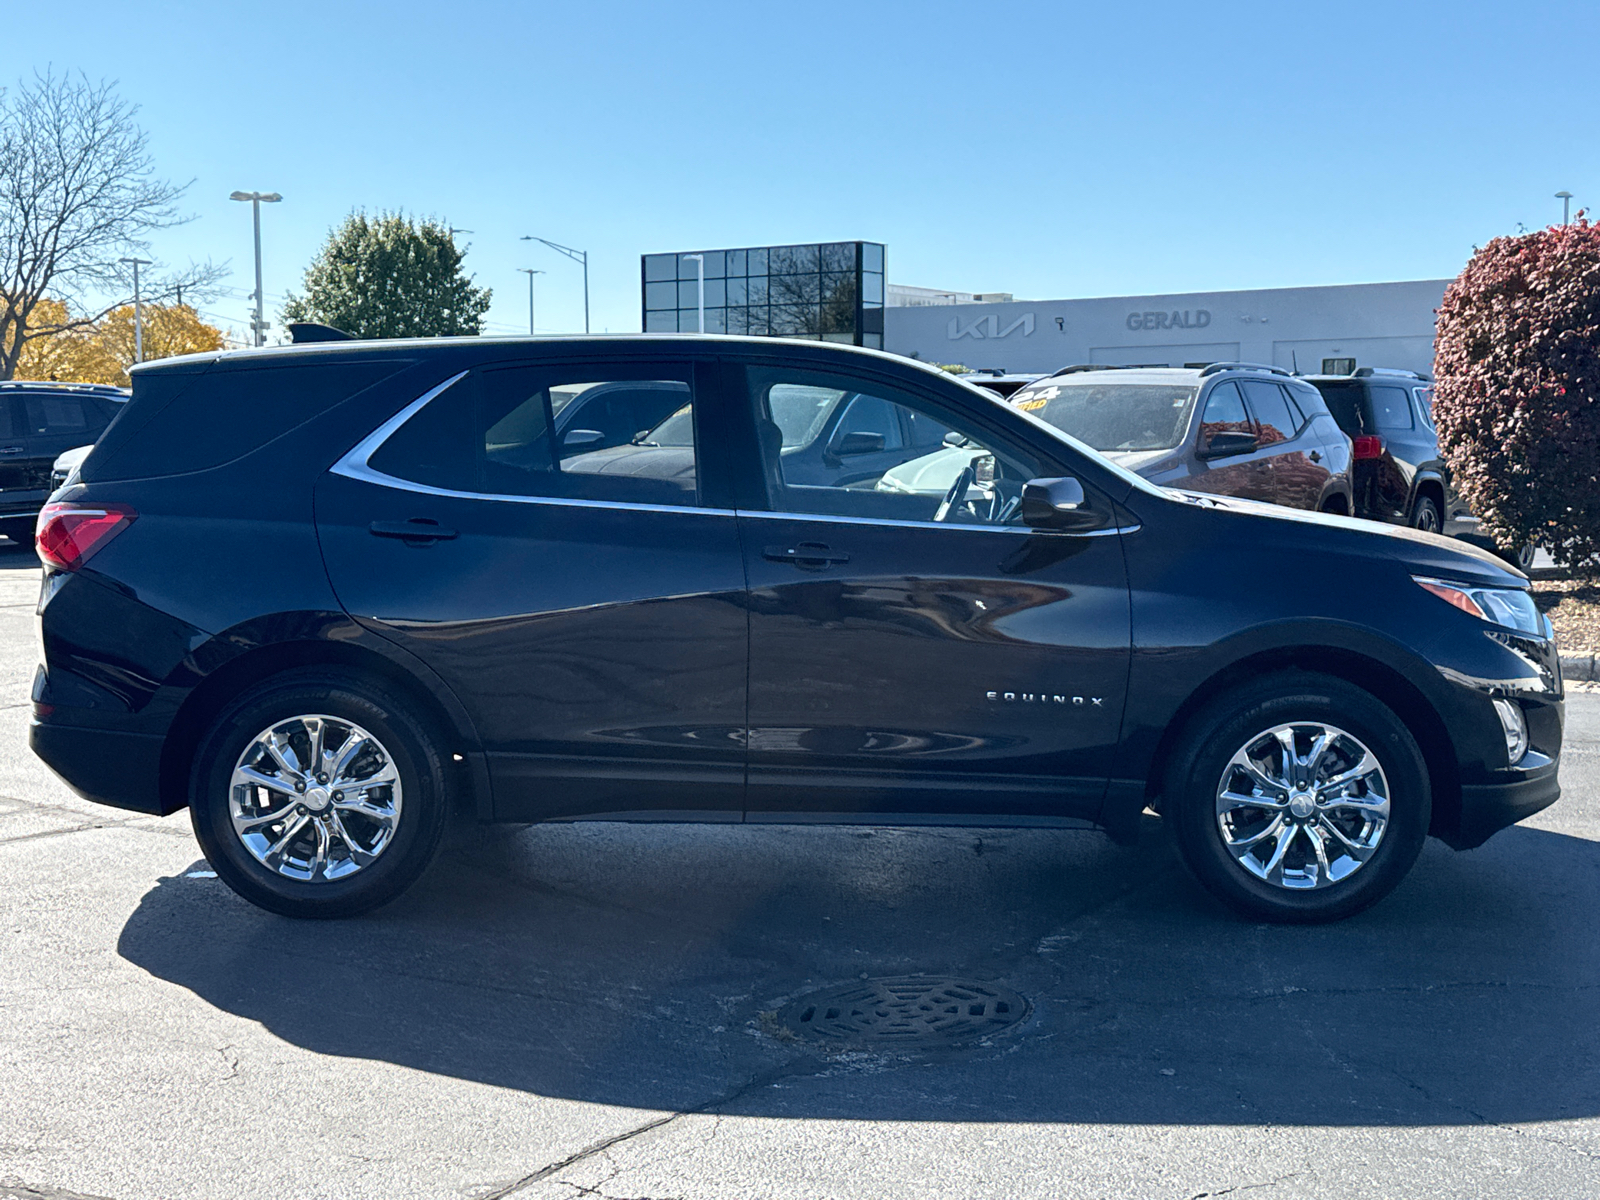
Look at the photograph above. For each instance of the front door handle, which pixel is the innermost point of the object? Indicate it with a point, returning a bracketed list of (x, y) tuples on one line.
[(810, 555), (419, 531)]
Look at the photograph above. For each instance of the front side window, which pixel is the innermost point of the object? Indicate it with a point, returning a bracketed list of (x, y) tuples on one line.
[(1113, 416), (527, 431), (833, 446), (1224, 412)]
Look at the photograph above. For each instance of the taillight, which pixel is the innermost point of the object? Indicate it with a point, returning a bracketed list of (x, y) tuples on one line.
[(68, 535), (1370, 446)]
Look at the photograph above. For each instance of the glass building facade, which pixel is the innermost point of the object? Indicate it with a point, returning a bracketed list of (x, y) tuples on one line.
[(829, 291)]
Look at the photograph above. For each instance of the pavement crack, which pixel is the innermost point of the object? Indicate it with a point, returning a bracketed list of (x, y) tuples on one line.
[(793, 1068), (1246, 1187)]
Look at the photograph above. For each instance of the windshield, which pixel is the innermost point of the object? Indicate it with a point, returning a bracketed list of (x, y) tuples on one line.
[(1114, 416), (676, 430)]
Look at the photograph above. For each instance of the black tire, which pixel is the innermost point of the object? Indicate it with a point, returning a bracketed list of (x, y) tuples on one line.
[(1425, 515), (1195, 772), (418, 758)]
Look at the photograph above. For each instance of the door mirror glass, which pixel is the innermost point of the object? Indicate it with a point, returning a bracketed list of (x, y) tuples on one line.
[(582, 437), (1057, 504), (859, 443), (1226, 443)]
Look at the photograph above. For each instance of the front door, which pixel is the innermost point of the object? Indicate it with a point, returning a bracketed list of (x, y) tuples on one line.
[(916, 650), (586, 606)]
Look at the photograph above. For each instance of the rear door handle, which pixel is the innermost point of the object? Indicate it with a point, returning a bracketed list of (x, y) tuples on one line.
[(12, 449), (812, 555), (418, 530), (1314, 456)]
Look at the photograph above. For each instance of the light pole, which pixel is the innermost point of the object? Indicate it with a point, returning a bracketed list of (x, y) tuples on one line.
[(1566, 206), (257, 199), (577, 256), (530, 273), (138, 309), (699, 261)]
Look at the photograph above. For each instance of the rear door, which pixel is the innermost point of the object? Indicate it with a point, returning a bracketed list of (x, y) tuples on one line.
[(587, 607), (54, 422)]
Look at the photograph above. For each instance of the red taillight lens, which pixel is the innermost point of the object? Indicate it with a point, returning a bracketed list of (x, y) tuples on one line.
[(68, 535), (1370, 446)]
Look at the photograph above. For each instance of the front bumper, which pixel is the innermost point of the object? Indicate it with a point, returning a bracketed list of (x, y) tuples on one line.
[(1487, 808)]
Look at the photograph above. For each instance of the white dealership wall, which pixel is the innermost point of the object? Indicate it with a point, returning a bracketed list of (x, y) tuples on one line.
[(1377, 324)]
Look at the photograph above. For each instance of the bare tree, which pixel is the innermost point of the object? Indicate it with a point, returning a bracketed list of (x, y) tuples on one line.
[(78, 191)]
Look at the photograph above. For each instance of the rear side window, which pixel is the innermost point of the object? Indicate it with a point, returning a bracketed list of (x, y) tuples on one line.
[(1391, 409), (52, 415), (1424, 404), (499, 433), (1271, 407), (177, 424)]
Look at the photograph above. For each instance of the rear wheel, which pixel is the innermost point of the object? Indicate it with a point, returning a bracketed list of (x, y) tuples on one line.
[(318, 795), (1299, 798), (1425, 515)]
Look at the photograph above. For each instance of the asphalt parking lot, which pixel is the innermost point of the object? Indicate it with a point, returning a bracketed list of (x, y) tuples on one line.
[(573, 1010)]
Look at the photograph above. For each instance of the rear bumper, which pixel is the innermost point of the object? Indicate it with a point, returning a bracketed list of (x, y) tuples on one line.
[(107, 766)]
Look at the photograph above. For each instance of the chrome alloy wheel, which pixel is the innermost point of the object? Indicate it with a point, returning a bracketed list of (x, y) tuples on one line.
[(315, 798), (1303, 805)]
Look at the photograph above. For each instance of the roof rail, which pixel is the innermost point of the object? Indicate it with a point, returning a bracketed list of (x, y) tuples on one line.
[(1368, 372), (1076, 367), (1241, 366), (67, 386)]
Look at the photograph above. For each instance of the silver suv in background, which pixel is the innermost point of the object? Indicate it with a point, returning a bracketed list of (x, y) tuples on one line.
[(1232, 429)]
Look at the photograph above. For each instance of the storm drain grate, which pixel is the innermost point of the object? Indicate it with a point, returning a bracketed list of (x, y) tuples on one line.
[(908, 1008)]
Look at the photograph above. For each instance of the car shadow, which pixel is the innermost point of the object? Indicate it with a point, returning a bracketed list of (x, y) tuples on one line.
[(642, 966), (17, 556)]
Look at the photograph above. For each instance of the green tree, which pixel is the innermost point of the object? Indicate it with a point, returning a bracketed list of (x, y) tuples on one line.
[(390, 277)]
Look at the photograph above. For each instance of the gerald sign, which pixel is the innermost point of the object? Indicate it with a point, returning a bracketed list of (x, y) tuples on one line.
[(1197, 318)]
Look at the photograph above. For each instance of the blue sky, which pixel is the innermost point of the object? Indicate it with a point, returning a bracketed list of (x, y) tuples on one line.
[(1045, 149)]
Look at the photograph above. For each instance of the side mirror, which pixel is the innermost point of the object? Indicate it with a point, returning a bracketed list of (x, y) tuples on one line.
[(1057, 504), (859, 443), (1226, 443), (582, 437)]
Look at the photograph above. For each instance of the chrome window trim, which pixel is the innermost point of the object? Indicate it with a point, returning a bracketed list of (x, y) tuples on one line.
[(355, 465), (892, 524)]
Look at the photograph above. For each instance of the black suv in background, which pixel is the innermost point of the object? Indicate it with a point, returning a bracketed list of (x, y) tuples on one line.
[(38, 421), (1399, 476), (319, 594), (1231, 429)]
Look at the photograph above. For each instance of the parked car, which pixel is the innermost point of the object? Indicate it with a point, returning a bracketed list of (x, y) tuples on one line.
[(320, 594), (37, 422), (66, 463), (1001, 383), (1232, 429)]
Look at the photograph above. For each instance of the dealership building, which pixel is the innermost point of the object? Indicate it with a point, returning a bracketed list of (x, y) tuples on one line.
[(837, 291), (1328, 329)]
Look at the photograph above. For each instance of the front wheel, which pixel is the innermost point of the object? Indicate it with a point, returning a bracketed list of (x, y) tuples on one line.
[(1298, 798), (318, 795)]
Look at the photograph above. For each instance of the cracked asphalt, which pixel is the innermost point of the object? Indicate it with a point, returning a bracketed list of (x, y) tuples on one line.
[(577, 1011)]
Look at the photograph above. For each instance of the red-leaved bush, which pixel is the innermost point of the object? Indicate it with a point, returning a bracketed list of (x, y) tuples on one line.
[(1517, 402)]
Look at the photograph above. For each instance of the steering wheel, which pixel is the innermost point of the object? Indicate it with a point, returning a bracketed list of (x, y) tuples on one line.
[(957, 493)]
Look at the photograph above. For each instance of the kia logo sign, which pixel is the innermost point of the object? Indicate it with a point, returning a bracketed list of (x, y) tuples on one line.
[(1197, 318), (988, 327)]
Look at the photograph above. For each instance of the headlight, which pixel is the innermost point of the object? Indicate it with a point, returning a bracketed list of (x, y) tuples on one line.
[(1511, 607), (1515, 726)]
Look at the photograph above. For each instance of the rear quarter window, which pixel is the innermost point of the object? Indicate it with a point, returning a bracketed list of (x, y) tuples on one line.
[(179, 424)]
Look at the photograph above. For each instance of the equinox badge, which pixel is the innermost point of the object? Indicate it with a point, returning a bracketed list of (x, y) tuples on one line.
[(1046, 698)]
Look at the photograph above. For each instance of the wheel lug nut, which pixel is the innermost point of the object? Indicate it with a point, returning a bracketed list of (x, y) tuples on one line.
[(300, 787), (338, 795)]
